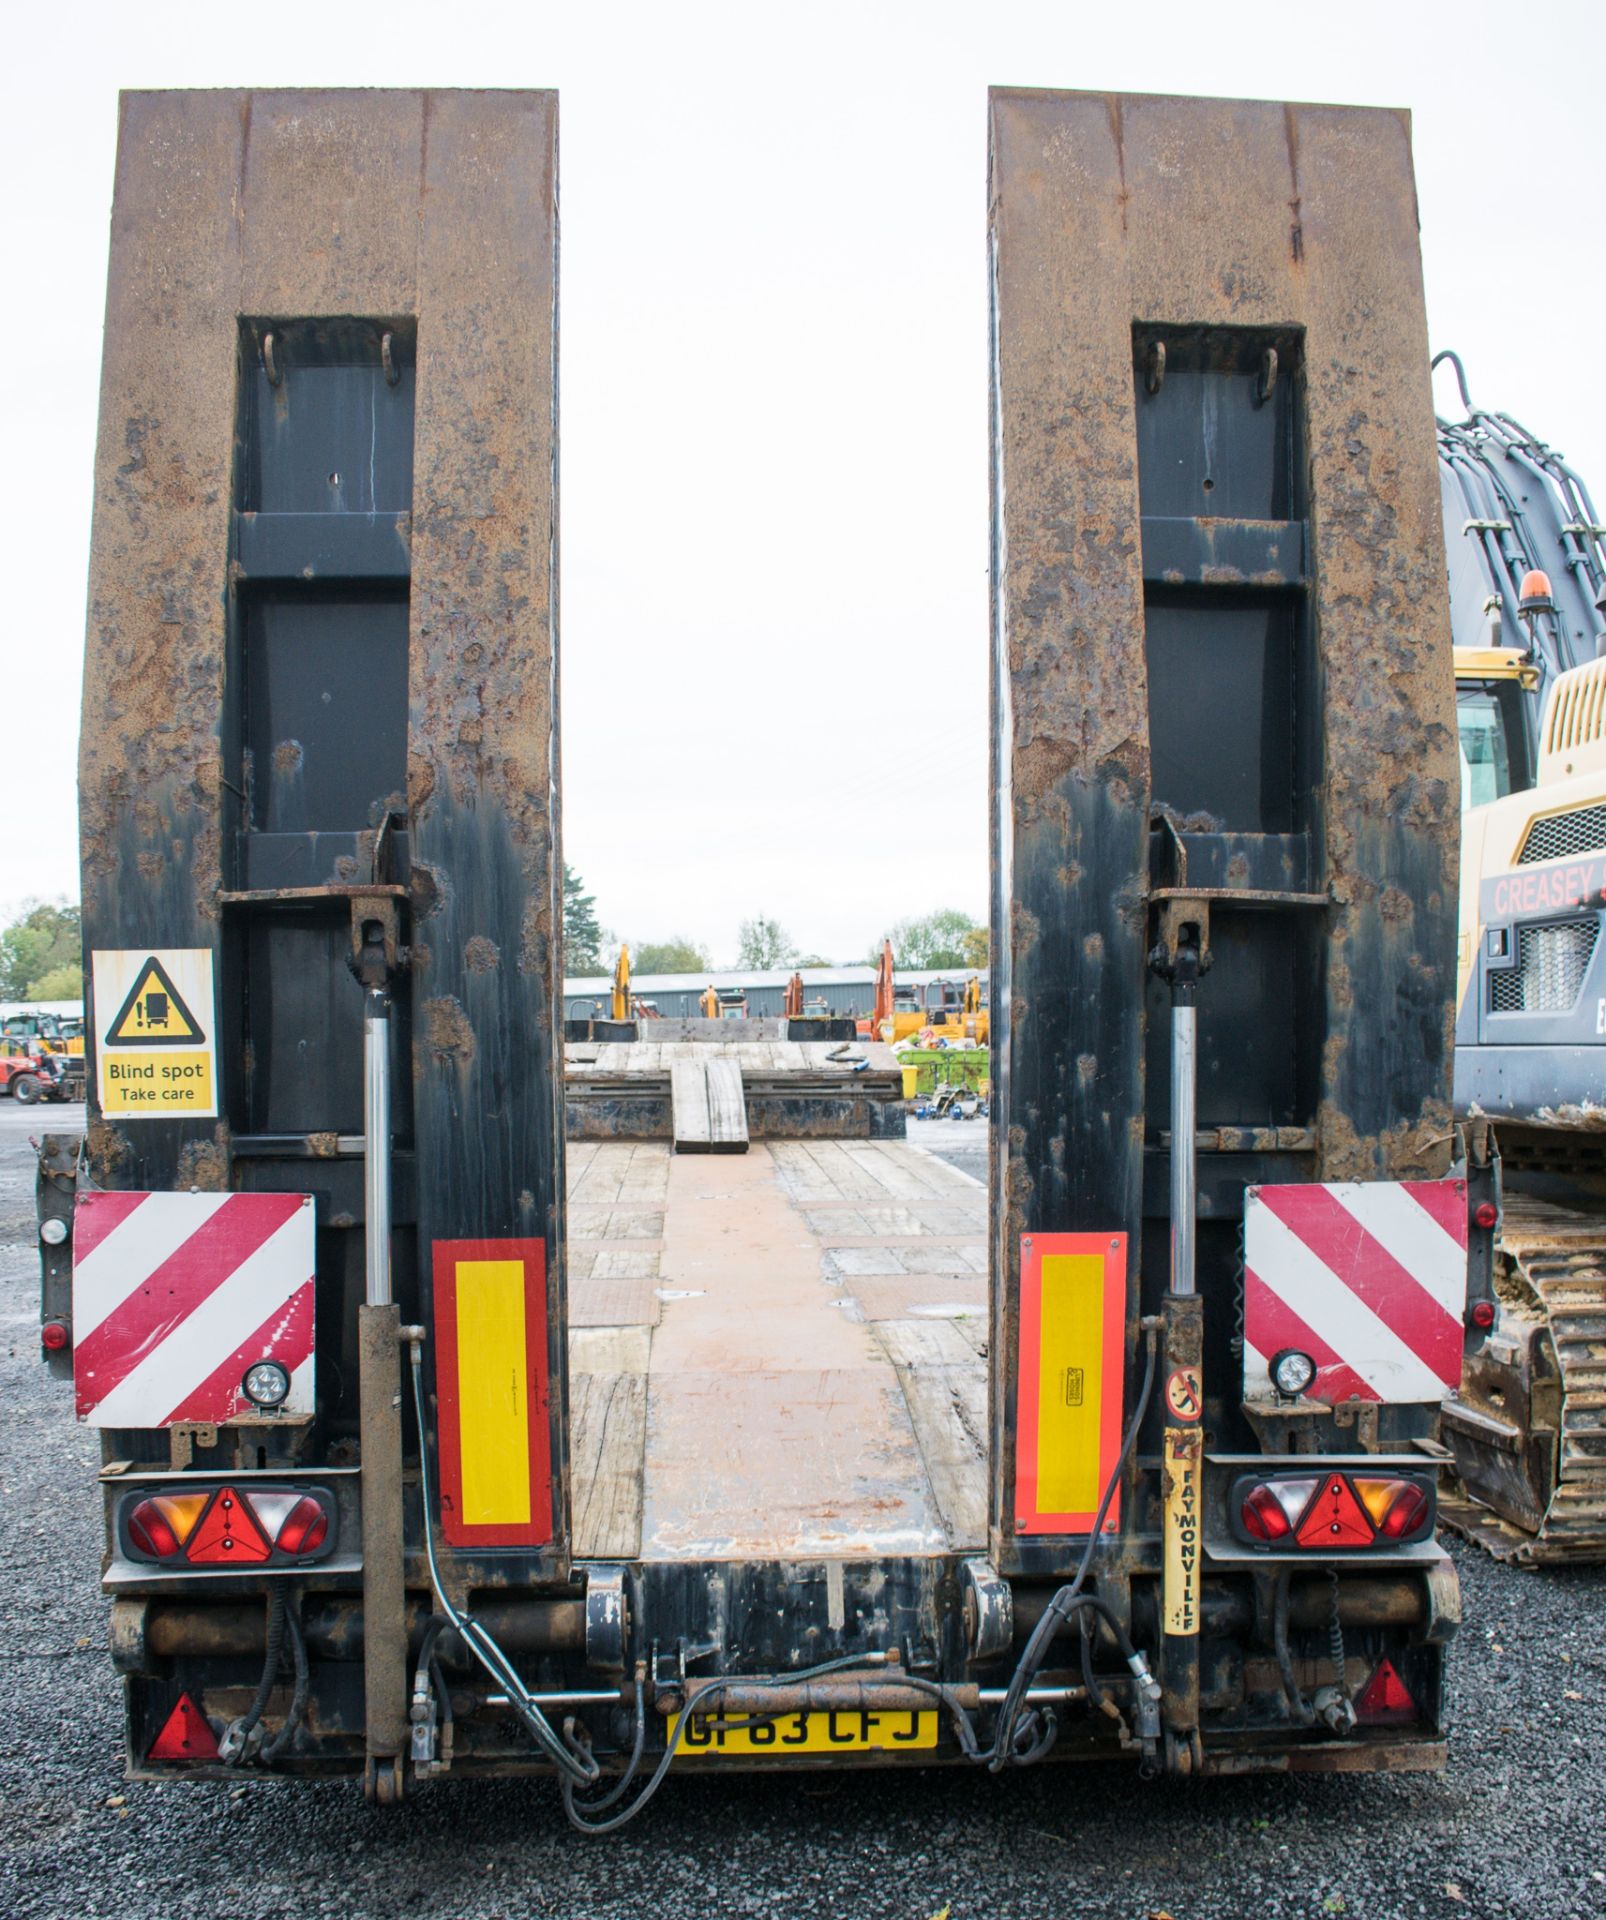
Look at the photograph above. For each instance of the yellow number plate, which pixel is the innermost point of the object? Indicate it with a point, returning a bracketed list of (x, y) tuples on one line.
[(853, 1730)]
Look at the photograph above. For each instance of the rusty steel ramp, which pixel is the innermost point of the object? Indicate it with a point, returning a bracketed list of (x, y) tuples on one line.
[(779, 1354)]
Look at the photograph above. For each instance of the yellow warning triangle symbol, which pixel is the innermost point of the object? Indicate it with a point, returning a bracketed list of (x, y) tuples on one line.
[(154, 1014)]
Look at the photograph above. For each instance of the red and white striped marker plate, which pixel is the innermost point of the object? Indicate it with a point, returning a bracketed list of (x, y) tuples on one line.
[(175, 1295), (1369, 1280)]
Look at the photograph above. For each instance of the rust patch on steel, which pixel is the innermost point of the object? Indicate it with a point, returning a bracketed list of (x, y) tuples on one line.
[(149, 772), (481, 955), (420, 781), (425, 889), (482, 730), (108, 1148), (445, 1032), (205, 1163)]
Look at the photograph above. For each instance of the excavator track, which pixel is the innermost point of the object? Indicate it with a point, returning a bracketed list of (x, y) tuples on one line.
[(1528, 1430)]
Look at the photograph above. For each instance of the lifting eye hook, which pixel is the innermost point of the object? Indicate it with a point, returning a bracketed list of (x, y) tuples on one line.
[(1267, 382)]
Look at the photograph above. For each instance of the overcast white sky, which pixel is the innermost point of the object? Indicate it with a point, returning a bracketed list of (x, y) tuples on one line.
[(774, 377)]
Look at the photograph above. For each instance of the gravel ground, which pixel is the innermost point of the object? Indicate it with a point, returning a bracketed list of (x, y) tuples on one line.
[(1514, 1829)]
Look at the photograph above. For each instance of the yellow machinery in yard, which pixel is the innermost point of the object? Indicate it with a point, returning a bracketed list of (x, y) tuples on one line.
[(1528, 578), (46, 1030), (621, 985)]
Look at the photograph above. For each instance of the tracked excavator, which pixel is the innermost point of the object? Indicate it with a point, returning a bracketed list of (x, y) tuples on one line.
[(1528, 603)]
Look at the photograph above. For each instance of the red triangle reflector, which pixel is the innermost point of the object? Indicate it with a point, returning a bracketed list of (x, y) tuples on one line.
[(185, 1736), (1386, 1696), (1336, 1518), (228, 1535)]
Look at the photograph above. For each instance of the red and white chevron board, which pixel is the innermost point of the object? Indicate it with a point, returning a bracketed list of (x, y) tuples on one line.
[(175, 1295), (1368, 1279)]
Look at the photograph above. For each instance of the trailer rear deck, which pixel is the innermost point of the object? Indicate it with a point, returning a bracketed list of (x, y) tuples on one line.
[(776, 1354), (321, 738)]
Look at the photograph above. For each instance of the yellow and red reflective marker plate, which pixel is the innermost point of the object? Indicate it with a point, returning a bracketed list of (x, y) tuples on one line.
[(495, 1444), (1072, 1338), (852, 1730)]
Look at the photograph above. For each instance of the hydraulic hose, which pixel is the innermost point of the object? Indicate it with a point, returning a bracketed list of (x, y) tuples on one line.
[(577, 1810), (1015, 1742), (572, 1763), (236, 1742), (1070, 1597), (274, 1746), (1019, 1741), (1298, 1705), (580, 1811), (428, 1676)]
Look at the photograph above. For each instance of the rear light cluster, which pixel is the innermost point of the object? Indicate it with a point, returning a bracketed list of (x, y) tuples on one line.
[(1332, 1511), (228, 1527)]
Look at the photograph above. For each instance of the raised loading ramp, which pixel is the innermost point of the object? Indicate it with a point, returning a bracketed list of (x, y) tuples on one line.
[(710, 1111)]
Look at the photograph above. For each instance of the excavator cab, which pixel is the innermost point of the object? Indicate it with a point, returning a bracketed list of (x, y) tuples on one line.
[(1527, 574)]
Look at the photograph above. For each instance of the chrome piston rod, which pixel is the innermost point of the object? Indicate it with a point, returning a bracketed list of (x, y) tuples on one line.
[(376, 1142), (1184, 1150)]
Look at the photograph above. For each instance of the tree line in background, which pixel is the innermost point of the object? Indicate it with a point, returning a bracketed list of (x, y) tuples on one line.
[(946, 938), (41, 953)]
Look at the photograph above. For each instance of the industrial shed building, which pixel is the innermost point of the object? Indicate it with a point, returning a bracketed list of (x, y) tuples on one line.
[(844, 990)]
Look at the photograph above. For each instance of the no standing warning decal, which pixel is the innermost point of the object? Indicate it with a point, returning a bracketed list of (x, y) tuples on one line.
[(1184, 1397), (155, 1031)]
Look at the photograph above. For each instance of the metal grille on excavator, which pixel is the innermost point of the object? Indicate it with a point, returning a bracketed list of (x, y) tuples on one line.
[(1555, 1269), (1552, 962), (1579, 830)]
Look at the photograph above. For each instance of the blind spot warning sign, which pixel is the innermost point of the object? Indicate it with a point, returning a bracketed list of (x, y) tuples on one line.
[(154, 1013), (155, 1032)]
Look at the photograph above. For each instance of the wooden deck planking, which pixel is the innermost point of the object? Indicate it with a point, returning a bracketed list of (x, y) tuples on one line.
[(787, 1404), (946, 1394), (616, 1302), (688, 1091), (609, 1349), (607, 1443), (709, 1104), (710, 1110), (588, 1221), (727, 1107)]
